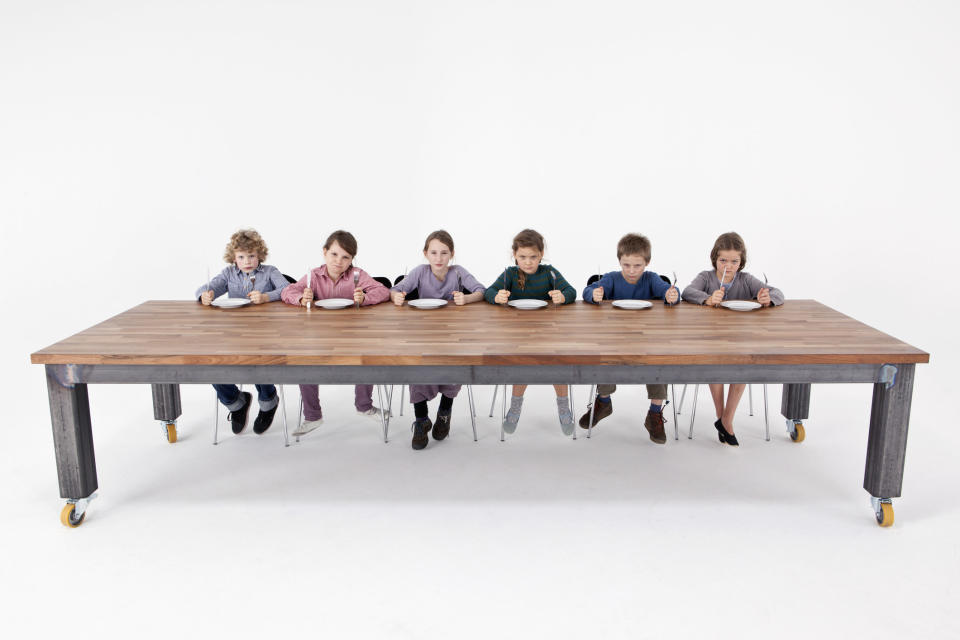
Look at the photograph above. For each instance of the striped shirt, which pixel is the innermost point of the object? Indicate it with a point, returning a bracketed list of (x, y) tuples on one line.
[(536, 285), (265, 279)]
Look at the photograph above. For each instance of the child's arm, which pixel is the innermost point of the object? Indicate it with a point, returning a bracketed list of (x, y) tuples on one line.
[(278, 284), (660, 289), (569, 293), (291, 294), (756, 288), (471, 284), (490, 295), (695, 292), (373, 291), (217, 284), (605, 283)]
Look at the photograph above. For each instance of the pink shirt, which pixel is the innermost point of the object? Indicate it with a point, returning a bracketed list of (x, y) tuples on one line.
[(324, 287)]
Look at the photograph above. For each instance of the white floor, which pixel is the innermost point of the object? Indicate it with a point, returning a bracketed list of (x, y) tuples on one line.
[(538, 536)]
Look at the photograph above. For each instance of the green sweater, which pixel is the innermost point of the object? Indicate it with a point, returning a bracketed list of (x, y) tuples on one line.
[(536, 285)]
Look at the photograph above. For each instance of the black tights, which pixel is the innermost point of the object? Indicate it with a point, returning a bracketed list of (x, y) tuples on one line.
[(420, 408)]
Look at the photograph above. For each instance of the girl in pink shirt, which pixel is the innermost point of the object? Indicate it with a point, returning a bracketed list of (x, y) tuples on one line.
[(335, 279)]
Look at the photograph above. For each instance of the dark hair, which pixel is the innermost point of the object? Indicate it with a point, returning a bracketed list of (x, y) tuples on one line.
[(346, 241), (440, 235), (730, 241), (634, 244), (526, 238)]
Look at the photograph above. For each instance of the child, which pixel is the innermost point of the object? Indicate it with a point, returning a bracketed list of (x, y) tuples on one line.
[(728, 281), (335, 280), (246, 277), (532, 280), (632, 282), (437, 279)]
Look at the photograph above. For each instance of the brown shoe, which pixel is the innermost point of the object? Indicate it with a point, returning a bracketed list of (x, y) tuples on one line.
[(654, 424), (601, 410)]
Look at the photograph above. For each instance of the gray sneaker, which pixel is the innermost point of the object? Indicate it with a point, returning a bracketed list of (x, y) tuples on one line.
[(565, 415), (513, 415)]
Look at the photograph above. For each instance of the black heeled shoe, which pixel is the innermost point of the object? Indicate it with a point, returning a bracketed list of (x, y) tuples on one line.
[(726, 438)]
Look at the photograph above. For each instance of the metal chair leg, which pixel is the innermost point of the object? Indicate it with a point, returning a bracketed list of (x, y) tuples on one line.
[(673, 402), (683, 395), (766, 417), (493, 402), (216, 416), (693, 411), (473, 412), (283, 407), (750, 394), (572, 412), (299, 418), (593, 407), (383, 412), (503, 410), (403, 389)]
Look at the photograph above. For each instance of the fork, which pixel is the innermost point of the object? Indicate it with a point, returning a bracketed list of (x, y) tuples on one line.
[(356, 280), (553, 282)]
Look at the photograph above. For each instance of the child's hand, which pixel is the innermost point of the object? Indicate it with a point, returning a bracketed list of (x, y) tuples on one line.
[(502, 296), (672, 295), (598, 294), (257, 297), (398, 297), (206, 297), (458, 298), (763, 297), (307, 297), (557, 296), (716, 298), (358, 295)]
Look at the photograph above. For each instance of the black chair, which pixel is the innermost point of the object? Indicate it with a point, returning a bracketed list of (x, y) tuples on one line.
[(384, 281), (413, 295), (290, 279)]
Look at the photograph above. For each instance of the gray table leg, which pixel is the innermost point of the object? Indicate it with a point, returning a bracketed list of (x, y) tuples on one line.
[(795, 407), (166, 408), (72, 438), (887, 444)]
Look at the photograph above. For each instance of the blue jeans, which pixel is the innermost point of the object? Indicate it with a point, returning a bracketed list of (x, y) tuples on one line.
[(229, 396)]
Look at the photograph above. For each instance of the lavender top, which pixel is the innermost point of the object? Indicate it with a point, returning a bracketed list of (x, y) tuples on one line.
[(427, 285), (266, 279)]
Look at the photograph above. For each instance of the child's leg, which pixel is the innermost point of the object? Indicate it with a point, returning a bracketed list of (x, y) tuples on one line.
[(518, 390), (656, 393), (733, 399), (441, 426), (604, 390), (601, 408), (423, 392), (716, 392), (363, 397), (310, 393), (561, 390), (267, 396), (229, 396), (653, 423)]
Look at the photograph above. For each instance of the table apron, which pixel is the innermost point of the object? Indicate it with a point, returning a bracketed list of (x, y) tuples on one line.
[(69, 374)]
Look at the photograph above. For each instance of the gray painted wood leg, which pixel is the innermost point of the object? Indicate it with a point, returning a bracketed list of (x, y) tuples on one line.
[(166, 408), (72, 437), (887, 444), (795, 407)]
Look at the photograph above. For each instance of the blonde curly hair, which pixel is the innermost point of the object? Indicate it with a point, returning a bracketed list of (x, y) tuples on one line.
[(245, 240)]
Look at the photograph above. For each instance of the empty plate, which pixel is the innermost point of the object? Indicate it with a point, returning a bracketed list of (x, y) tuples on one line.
[(427, 303), (740, 305), (230, 303), (527, 304), (632, 304), (334, 303)]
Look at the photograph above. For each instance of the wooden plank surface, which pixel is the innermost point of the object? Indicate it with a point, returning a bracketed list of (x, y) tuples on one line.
[(183, 332)]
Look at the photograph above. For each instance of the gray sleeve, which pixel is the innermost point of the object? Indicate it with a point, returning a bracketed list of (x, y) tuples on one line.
[(278, 283), (696, 291), (468, 282), (218, 283), (410, 281), (754, 285)]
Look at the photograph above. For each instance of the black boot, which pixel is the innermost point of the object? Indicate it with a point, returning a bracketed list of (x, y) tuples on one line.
[(442, 426), (264, 420), (238, 418), (421, 427)]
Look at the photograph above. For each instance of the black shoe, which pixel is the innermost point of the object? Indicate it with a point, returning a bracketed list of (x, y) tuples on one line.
[(725, 437), (442, 426), (264, 420), (421, 427), (238, 418)]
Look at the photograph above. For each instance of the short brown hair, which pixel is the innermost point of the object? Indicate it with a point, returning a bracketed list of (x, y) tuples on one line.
[(440, 235), (346, 241), (730, 241), (634, 244), (527, 238), (245, 240)]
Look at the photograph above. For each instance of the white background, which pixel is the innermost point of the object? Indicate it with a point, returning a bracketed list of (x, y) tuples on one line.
[(135, 137)]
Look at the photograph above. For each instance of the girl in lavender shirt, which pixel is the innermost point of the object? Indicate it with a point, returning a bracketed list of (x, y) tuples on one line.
[(335, 280), (437, 279)]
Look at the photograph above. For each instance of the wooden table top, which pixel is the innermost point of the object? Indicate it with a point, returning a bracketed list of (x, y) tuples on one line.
[(184, 332)]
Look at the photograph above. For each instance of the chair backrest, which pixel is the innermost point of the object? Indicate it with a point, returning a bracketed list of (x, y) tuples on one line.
[(593, 279), (290, 279), (384, 281), (665, 278)]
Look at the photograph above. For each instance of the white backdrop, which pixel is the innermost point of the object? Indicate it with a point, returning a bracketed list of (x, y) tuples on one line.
[(136, 137)]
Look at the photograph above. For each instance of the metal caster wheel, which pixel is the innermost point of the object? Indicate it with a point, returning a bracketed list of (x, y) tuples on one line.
[(796, 430), (170, 428), (69, 518), (883, 510)]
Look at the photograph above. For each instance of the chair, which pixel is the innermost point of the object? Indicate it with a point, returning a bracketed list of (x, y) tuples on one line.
[(290, 279), (590, 399), (385, 412), (693, 413), (283, 409)]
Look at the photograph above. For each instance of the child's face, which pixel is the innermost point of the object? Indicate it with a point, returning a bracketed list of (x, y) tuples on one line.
[(728, 259), (632, 267), (337, 260), (246, 261), (528, 259), (438, 255)]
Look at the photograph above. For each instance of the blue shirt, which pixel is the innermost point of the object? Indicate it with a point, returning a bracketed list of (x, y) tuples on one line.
[(650, 286), (266, 279)]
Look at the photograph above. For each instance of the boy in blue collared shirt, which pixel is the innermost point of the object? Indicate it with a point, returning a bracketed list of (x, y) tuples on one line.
[(246, 277), (632, 282)]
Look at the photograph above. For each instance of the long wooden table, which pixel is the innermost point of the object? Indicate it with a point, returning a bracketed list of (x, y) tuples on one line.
[(167, 343)]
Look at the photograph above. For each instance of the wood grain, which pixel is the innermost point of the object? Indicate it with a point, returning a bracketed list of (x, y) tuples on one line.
[(180, 332)]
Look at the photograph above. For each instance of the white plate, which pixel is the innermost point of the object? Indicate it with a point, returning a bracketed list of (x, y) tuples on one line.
[(527, 304), (230, 303), (740, 305), (633, 304), (427, 303), (334, 303)]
